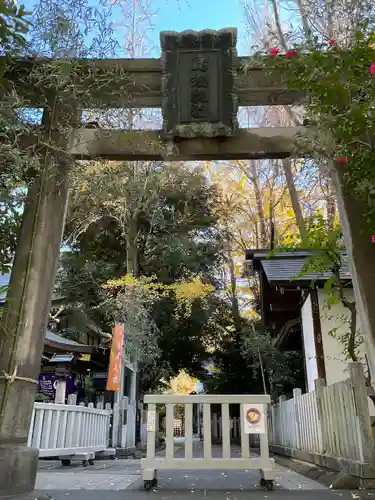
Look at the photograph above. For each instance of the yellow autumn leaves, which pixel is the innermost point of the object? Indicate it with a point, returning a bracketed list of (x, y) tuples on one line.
[(183, 290)]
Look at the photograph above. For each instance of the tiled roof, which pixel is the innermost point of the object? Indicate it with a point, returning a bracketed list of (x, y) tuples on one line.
[(286, 267), (54, 337)]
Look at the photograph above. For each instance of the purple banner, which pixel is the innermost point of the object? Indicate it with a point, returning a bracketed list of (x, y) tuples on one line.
[(47, 383)]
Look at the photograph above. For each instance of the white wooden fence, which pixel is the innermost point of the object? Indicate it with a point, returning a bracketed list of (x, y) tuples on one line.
[(216, 428), (64, 430), (207, 460), (131, 419), (124, 423), (330, 426)]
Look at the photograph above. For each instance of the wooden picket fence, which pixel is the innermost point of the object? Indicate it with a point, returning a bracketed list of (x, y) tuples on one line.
[(217, 428), (330, 426)]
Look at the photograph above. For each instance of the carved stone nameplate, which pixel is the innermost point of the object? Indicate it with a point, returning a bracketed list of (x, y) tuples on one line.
[(199, 83)]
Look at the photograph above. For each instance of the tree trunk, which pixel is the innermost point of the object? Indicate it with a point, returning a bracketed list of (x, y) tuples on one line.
[(132, 257), (331, 204), (258, 199), (294, 199), (331, 211), (286, 163), (304, 19), (278, 24), (234, 298)]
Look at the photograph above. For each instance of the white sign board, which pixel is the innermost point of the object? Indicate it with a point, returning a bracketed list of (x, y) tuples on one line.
[(151, 420), (254, 419)]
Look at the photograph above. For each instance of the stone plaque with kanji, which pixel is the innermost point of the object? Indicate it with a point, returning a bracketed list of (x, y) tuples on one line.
[(199, 83)]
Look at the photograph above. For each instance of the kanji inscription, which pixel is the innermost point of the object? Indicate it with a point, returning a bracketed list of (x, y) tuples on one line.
[(198, 83)]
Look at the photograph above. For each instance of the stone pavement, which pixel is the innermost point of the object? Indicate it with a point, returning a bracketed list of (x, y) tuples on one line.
[(126, 474), (202, 495), (115, 475), (104, 474), (122, 480)]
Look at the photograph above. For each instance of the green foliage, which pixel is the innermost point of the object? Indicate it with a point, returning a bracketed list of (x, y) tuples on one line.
[(328, 246), (182, 341), (14, 24), (340, 82), (71, 334), (158, 214), (10, 220), (280, 367), (55, 28), (72, 28), (320, 235), (239, 356), (132, 306), (327, 256), (164, 212), (163, 341)]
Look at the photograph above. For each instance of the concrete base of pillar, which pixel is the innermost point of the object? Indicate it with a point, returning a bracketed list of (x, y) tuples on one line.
[(18, 466)]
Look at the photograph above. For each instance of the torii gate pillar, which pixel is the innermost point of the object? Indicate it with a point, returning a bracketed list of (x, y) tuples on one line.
[(361, 257)]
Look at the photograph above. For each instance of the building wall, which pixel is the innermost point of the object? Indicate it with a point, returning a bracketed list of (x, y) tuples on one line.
[(337, 316), (334, 317)]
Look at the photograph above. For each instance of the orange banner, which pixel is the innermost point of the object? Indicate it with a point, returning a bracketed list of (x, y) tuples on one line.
[(114, 370)]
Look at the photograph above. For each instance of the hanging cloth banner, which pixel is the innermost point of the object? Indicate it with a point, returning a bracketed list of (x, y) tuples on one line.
[(115, 360)]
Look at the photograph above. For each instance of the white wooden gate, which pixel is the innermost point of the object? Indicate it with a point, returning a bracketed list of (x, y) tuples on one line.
[(246, 461), (59, 430)]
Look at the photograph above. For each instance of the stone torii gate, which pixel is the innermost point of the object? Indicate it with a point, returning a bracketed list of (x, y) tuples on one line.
[(199, 82)]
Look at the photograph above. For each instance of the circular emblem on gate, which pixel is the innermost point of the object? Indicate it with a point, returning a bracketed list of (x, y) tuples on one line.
[(253, 416)]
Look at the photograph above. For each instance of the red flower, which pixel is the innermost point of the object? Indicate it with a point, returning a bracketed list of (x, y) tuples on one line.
[(274, 51), (343, 160), (372, 68), (373, 238), (291, 52), (331, 42)]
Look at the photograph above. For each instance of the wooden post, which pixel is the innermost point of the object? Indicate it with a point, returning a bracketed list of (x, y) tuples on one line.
[(143, 433), (319, 386), (108, 407), (117, 419), (72, 399), (357, 377), (99, 401), (60, 391), (25, 317), (214, 422), (124, 422), (274, 439), (282, 400), (296, 394), (115, 426), (132, 412)]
